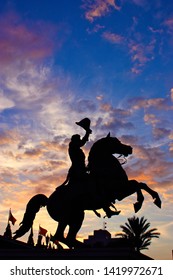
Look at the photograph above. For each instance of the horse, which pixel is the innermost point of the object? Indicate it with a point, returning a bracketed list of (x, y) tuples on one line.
[(107, 181)]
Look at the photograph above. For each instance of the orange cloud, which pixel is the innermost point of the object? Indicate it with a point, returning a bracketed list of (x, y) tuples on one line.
[(8, 137), (158, 103), (113, 38), (98, 8), (151, 119), (141, 54)]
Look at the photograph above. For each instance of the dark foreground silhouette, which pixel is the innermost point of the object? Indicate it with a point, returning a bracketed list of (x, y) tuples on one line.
[(105, 182), (16, 250)]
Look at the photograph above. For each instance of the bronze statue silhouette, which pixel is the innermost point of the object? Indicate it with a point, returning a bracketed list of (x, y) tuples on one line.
[(77, 176), (78, 171), (106, 182)]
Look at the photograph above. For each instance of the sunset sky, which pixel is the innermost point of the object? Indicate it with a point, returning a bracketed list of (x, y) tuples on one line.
[(108, 60)]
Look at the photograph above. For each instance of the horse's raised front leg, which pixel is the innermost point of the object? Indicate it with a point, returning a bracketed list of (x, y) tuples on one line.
[(154, 194), (132, 187)]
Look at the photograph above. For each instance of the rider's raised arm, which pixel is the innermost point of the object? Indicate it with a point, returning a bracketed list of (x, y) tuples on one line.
[(85, 138)]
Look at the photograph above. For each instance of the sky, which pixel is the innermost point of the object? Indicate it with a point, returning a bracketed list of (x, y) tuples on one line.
[(110, 61)]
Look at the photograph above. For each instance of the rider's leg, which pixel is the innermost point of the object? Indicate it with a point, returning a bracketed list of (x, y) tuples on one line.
[(109, 212)]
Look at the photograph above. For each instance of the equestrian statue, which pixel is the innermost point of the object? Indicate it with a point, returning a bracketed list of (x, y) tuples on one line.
[(94, 186)]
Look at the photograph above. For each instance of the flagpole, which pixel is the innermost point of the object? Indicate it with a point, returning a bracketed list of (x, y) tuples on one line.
[(8, 215)]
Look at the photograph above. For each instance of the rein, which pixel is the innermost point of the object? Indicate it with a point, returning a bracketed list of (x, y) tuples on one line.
[(122, 159)]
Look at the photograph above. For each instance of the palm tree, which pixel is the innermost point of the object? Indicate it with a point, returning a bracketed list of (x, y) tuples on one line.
[(136, 231)]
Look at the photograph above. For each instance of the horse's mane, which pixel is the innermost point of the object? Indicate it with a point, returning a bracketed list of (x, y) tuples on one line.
[(96, 150)]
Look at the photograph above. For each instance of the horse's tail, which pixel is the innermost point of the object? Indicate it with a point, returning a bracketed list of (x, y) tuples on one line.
[(33, 206)]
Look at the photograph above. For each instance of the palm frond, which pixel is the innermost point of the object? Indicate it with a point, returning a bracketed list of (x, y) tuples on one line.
[(137, 230)]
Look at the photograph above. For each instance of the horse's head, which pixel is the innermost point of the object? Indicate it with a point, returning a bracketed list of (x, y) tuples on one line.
[(105, 147), (114, 146)]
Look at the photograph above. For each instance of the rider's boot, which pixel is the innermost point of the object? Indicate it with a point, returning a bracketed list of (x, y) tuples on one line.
[(110, 213), (97, 213)]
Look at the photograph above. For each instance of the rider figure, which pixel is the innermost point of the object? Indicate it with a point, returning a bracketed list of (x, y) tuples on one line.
[(77, 173), (78, 170)]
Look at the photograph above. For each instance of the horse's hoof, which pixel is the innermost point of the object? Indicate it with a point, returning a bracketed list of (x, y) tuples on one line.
[(137, 206), (157, 202)]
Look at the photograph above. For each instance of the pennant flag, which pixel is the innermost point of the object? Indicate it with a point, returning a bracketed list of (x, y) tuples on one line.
[(42, 231), (8, 232), (11, 218)]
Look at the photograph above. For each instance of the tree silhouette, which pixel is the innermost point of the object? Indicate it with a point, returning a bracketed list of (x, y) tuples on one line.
[(136, 231)]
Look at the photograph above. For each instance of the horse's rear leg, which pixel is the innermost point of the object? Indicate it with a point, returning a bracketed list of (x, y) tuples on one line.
[(154, 194), (59, 234)]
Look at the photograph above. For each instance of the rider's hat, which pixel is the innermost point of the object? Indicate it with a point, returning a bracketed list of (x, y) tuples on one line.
[(85, 124)]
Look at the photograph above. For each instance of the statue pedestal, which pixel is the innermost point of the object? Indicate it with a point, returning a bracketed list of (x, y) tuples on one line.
[(17, 250)]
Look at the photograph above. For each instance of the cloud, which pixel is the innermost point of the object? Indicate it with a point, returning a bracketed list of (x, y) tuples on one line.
[(172, 94), (153, 30), (151, 166), (19, 42), (169, 23), (141, 54), (151, 119), (161, 132), (158, 103), (98, 8), (84, 105), (113, 38), (139, 51), (95, 29), (115, 119), (25, 70), (5, 102), (7, 137)]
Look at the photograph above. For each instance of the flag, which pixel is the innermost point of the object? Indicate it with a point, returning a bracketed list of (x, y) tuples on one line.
[(8, 232), (11, 218), (42, 231)]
